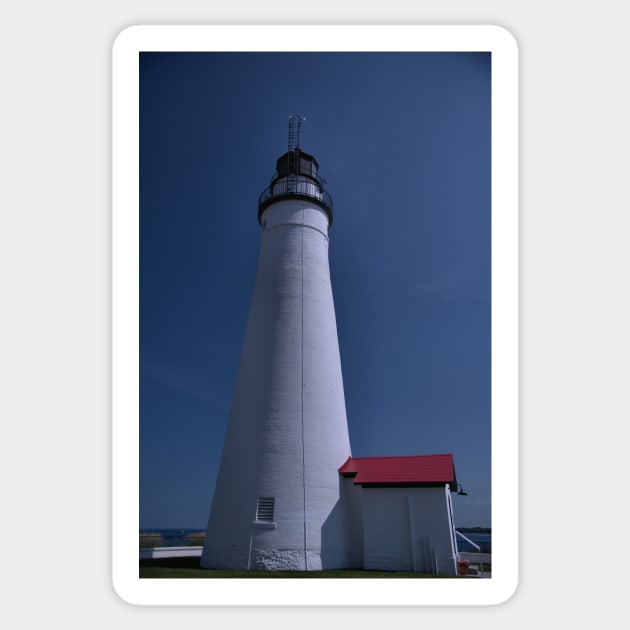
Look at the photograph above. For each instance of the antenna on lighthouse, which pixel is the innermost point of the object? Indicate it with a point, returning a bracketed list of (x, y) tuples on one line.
[(295, 122)]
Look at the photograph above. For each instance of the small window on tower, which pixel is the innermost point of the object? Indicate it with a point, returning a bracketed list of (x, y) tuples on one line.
[(264, 511)]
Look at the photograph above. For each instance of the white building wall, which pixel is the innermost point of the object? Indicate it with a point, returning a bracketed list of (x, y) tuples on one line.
[(351, 501), (386, 533), (287, 432), (408, 529)]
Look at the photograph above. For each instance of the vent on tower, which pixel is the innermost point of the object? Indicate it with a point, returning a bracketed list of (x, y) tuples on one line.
[(264, 511)]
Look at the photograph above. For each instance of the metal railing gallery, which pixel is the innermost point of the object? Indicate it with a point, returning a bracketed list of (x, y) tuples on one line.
[(296, 186)]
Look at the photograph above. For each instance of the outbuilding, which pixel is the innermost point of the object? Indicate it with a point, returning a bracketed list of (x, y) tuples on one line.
[(399, 511)]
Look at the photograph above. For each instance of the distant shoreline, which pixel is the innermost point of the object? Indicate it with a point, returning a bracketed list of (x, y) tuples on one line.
[(480, 538), (190, 530)]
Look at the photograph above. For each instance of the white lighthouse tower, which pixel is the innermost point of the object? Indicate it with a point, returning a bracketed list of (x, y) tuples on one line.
[(277, 498)]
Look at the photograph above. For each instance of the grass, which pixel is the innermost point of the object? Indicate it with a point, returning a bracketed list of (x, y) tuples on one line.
[(188, 568)]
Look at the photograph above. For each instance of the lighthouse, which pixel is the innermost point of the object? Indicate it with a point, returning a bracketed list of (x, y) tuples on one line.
[(277, 501)]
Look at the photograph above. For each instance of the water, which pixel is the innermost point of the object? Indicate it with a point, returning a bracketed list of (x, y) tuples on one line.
[(483, 540), (171, 537)]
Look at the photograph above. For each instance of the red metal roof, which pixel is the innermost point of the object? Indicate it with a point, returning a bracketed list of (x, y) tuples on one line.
[(401, 470)]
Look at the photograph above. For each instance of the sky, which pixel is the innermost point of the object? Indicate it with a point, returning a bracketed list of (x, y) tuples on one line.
[(403, 142)]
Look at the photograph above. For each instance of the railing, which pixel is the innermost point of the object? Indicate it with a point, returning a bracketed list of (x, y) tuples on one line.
[(470, 542), (479, 555), (297, 186)]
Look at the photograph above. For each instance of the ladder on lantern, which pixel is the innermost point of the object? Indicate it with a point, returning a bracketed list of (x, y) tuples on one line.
[(295, 123)]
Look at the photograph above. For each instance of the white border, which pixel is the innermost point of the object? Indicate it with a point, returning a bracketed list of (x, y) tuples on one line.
[(125, 406)]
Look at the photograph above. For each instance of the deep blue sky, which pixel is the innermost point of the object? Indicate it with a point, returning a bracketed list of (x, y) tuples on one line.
[(403, 140)]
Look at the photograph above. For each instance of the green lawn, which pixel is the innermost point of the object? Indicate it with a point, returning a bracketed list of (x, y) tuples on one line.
[(189, 568)]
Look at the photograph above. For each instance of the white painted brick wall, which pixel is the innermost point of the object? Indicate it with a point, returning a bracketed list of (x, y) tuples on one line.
[(287, 432)]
